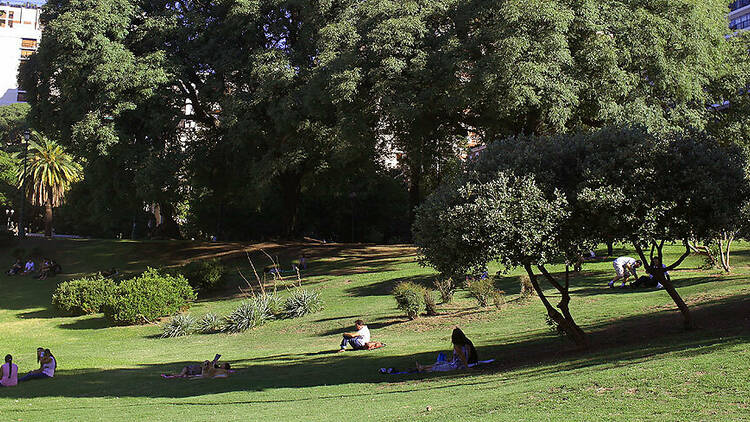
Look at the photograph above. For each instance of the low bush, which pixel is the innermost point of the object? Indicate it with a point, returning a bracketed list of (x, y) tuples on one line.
[(205, 275), (149, 296), (209, 324), (482, 290), (409, 298), (498, 298), (82, 296), (430, 306), (527, 289), (250, 314), (178, 326), (446, 287), (301, 302)]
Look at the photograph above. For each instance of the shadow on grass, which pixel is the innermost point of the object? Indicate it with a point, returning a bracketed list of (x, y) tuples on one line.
[(626, 341), (385, 287)]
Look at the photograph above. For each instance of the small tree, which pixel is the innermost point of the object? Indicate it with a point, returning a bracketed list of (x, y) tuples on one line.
[(668, 188), (508, 219)]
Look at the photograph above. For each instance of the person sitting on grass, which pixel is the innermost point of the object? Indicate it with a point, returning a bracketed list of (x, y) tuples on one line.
[(16, 268), (8, 373), (48, 364), (625, 266), (464, 354), (359, 339), (45, 269), (650, 281), (29, 268)]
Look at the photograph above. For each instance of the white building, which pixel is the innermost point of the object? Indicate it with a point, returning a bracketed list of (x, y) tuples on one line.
[(20, 32)]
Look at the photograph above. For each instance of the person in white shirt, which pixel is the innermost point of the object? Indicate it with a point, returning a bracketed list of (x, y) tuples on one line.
[(625, 266), (359, 339)]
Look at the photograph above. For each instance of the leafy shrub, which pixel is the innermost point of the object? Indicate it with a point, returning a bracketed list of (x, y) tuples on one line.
[(430, 306), (482, 290), (446, 287), (204, 275), (409, 298), (248, 315), (527, 289), (179, 325), (82, 296), (149, 296), (302, 302), (209, 323), (498, 298)]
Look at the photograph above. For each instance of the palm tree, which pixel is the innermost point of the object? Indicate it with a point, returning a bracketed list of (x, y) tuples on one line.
[(50, 173)]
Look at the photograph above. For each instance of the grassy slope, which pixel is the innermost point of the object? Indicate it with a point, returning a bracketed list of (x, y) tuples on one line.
[(642, 364)]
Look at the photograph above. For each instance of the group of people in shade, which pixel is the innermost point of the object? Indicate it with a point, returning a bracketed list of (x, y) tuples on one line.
[(47, 367), (626, 266), (48, 268)]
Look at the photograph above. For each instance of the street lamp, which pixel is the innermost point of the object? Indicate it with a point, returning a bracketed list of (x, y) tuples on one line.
[(21, 229)]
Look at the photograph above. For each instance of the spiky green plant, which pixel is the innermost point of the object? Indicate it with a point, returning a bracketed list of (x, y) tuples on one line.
[(301, 302), (178, 326)]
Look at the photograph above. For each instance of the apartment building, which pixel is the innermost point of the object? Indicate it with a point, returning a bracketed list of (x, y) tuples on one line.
[(739, 14), (20, 32)]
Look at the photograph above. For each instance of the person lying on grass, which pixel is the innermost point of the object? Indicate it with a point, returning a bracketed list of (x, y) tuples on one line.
[(625, 266), (209, 370), (47, 363), (359, 340), (464, 354), (191, 371)]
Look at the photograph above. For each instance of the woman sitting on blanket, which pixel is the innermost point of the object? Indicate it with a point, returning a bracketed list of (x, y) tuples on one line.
[(464, 354)]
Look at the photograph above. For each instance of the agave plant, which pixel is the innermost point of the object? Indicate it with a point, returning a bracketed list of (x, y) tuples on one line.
[(179, 325), (209, 323), (248, 315), (302, 302)]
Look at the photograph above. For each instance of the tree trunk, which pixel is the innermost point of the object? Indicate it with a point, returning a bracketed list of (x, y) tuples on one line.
[(48, 219), (564, 320), (704, 250), (291, 187), (725, 246), (610, 248), (658, 273), (415, 189)]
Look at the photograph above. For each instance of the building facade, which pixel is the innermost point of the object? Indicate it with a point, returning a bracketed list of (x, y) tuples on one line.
[(739, 15), (20, 32)]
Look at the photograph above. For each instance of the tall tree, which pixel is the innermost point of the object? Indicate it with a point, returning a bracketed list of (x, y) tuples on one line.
[(51, 171)]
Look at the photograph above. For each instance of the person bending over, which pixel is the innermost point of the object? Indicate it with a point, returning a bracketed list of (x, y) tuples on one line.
[(464, 354), (359, 339), (625, 266)]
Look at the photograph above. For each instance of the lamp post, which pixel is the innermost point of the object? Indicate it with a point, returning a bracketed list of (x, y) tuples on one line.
[(21, 229)]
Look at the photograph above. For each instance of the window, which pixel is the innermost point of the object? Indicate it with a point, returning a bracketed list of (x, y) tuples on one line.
[(25, 54), (21, 97), (28, 43)]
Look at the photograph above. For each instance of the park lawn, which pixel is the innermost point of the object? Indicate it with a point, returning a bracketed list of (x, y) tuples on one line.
[(641, 365)]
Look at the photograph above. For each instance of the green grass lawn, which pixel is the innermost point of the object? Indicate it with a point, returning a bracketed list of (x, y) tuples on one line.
[(641, 365)]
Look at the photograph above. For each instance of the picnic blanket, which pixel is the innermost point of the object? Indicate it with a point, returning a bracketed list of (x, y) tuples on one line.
[(394, 371)]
